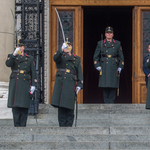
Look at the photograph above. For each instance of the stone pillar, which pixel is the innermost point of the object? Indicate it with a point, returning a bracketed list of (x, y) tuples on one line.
[(7, 28), (46, 63)]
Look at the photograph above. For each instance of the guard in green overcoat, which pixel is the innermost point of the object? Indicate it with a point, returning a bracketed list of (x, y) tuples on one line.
[(68, 82), (109, 61), (147, 64), (22, 83)]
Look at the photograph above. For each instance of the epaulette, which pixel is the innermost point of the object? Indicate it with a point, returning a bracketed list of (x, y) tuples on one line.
[(27, 55), (105, 41), (74, 55), (114, 41)]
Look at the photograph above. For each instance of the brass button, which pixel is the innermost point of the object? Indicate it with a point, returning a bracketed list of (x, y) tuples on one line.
[(74, 62), (107, 58), (25, 66), (107, 62), (24, 79), (66, 64), (72, 66), (64, 77), (17, 78), (17, 73), (24, 74), (65, 72), (18, 65)]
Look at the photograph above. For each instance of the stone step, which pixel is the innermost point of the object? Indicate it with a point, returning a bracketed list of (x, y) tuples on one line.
[(75, 131), (125, 122), (75, 138), (73, 145), (48, 107)]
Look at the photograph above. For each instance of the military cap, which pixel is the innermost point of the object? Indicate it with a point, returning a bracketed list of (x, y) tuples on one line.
[(68, 42), (21, 42), (109, 29)]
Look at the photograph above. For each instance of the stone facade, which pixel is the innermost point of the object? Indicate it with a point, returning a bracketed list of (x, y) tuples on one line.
[(7, 40), (6, 35), (46, 73)]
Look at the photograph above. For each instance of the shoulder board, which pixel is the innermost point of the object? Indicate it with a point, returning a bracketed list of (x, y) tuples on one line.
[(114, 41), (105, 41), (27, 55), (74, 55)]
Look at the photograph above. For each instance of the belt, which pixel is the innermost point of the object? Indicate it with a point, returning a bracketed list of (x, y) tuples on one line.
[(67, 70), (21, 71), (109, 56)]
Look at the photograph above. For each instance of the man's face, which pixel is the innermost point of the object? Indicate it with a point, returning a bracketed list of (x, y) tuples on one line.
[(22, 49), (109, 35), (66, 50), (149, 48)]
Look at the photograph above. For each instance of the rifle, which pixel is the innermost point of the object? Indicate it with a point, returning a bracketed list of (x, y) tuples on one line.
[(76, 109), (118, 75)]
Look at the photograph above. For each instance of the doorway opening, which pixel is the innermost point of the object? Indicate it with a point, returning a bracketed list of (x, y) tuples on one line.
[(96, 19)]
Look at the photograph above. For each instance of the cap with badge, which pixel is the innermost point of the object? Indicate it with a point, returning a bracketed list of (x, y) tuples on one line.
[(109, 29), (20, 42), (68, 43)]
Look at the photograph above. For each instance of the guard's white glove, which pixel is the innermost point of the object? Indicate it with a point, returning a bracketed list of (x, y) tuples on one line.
[(64, 46), (16, 50), (78, 89), (32, 89), (98, 68), (119, 70)]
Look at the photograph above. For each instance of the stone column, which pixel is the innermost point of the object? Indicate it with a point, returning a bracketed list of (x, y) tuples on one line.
[(7, 28), (46, 63)]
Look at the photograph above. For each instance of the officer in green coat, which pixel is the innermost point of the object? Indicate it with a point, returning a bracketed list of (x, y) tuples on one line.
[(68, 82), (22, 83), (147, 64), (109, 61)]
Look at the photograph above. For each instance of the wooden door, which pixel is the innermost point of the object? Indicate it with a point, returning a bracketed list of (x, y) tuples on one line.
[(141, 39), (72, 21)]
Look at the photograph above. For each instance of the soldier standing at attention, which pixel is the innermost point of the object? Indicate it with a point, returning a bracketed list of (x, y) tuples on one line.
[(147, 65), (22, 83), (109, 61), (146, 70), (68, 82)]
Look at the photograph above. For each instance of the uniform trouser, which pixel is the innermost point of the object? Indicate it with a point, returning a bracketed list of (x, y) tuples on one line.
[(20, 116), (109, 95), (65, 117)]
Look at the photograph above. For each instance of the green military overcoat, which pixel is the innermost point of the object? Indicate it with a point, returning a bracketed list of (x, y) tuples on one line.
[(147, 64), (19, 84), (66, 82), (109, 56)]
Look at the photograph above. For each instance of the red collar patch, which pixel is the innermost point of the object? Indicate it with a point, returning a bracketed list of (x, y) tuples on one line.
[(114, 41), (26, 55), (105, 41)]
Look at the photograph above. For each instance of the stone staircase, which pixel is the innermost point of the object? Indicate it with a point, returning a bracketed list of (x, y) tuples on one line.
[(99, 126)]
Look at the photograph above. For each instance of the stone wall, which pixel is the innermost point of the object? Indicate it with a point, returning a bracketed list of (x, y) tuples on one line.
[(6, 35), (46, 69)]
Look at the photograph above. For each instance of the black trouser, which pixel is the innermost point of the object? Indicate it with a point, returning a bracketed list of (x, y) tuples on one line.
[(20, 116), (109, 95), (65, 117)]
